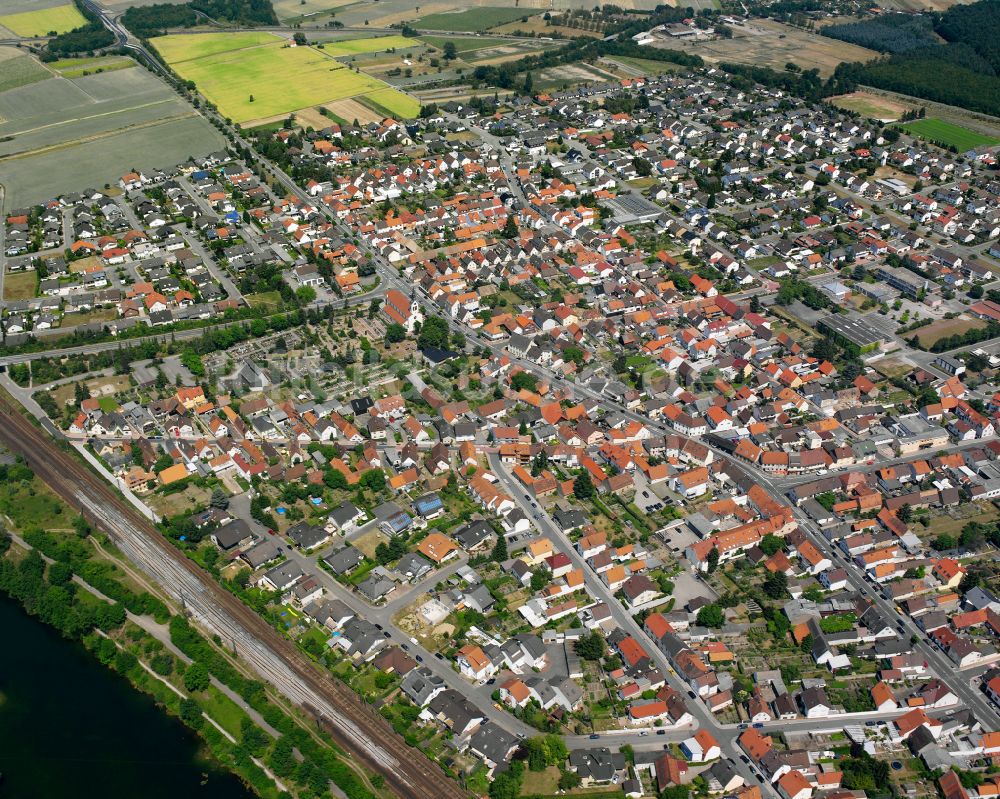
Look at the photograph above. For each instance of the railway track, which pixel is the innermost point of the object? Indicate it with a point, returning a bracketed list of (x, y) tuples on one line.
[(356, 727)]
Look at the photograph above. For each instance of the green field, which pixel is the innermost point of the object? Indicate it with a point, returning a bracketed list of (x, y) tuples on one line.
[(473, 19), (78, 67), (181, 47), (941, 132), (250, 82), (360, 46), (19, 70), (395, 102), (44, 21), (463, 44)]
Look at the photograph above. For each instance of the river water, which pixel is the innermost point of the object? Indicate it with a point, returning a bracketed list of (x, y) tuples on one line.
[(71, 728)]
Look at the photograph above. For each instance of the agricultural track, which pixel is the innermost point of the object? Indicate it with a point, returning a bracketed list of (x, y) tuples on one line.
[(352, 724)]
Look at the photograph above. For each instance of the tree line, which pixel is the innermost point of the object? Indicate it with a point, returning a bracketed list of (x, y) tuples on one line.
[(149, 21), (963, 71), (889, 33), (85, 39)]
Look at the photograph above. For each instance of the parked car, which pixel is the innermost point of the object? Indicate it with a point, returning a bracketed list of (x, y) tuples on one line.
[(594, 736)]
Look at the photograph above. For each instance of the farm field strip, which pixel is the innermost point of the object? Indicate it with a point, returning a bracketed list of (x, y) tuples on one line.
[(18, 70), (463, 44), (41, 150), (302, 10), (95, 163), (88, 128), (362, 46), (472, 19), (80, 67)]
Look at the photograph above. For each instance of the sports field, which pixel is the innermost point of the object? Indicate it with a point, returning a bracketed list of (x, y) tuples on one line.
[(252, 79), (44, 21), (473, 19), (870, 105), (941, 132)]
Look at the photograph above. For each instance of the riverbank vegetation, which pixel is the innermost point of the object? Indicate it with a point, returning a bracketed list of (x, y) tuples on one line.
[(67, 575)]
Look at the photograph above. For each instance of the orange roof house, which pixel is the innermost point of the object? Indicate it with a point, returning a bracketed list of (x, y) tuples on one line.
[(437, 547), (172, 474)]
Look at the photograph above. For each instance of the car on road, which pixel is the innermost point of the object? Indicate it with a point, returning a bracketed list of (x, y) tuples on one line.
[(491, 681), (745, 759), (661, 732), (758, 725), (439, 656), (871, 723), (379, 627), (594, 736), (644, 732), (420, 659), (691, 694), (406, 647), (270, 531), (386, 635)]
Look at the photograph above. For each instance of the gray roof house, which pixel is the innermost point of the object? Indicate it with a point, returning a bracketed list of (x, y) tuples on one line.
[(281, 577), (493, 744), (344, 560), (422, 685)]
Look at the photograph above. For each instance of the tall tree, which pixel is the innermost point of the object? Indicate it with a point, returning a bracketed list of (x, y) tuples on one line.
[(583, 486)]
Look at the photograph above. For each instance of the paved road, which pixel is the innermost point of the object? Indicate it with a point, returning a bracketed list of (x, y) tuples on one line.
[(702, 715), (944, 668)]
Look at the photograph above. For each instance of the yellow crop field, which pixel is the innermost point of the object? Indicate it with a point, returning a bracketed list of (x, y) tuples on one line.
[(396, 103), (42, 22), (249, 81), (181, 47)]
